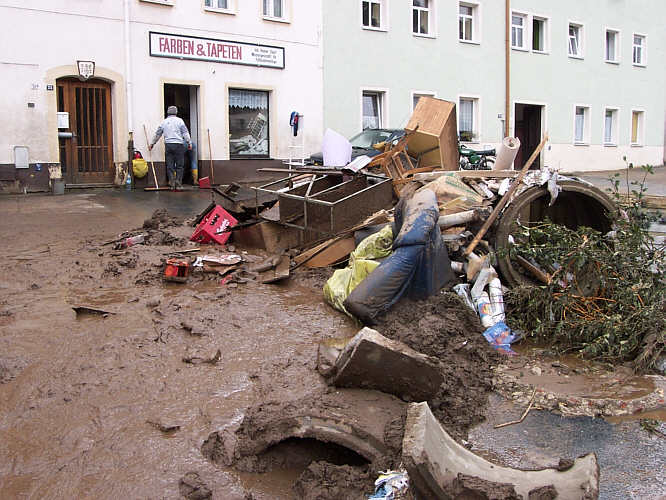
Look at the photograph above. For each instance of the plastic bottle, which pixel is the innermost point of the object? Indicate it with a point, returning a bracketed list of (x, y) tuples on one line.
[(131, 241), (128, 182)]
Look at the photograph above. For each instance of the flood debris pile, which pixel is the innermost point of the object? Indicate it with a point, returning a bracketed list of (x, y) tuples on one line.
[(604, 294)]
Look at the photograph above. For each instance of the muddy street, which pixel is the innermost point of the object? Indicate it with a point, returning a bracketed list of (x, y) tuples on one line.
[(78, 393), (138, 403)]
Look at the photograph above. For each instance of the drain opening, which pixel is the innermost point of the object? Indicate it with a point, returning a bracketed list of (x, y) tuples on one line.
[(299, 453)]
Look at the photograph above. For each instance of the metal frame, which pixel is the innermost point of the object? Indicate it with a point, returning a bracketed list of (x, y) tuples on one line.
[(309, 224)]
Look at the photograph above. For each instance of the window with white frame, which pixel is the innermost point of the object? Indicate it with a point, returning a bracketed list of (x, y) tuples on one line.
[(637, 121), (610, 126), (539, 34), (582, 125), (224, 6), (274, 9), (417, 95), (373, 109), (373, 14), (421, 17), (639, 48), (612, 48), (468, 128), (518, 31), (468, 22), (575, 40)]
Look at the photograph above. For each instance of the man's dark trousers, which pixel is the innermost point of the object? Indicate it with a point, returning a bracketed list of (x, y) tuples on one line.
[(175, 160)]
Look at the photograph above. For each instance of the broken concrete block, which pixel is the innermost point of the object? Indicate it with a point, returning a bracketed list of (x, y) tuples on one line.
[(433, 460), (371, 361)]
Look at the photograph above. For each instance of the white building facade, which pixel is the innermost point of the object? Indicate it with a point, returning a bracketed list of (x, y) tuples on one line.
[(236, 69), (590, 73)]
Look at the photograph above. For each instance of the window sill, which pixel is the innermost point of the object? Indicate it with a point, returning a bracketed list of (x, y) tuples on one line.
[(520, 49), (168, 3), (576, 57), (581, 143), (370, 28), (542, 52), (616, 63), (637, 145), (609, 145), (423, 35), (639, 65), (277, 19), (220, 11), (470, 42)]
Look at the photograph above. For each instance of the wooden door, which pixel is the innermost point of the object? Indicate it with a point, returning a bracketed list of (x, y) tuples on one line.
[(528, 130), (86, 158)]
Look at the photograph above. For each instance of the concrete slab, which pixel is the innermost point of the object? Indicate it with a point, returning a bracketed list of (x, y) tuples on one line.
[(434, 461), (371, 361)]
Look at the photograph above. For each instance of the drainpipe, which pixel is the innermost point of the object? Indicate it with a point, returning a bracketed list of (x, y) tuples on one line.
[(128, 83), (507, 69)]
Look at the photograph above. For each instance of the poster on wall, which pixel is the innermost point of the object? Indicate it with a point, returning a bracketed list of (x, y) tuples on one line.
[(248, 123), (213, 50)]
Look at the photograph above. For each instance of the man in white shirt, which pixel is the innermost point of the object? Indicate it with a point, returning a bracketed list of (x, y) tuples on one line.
[(176, 136)]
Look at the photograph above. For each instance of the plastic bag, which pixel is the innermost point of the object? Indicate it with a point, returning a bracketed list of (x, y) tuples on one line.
[(139, 168)]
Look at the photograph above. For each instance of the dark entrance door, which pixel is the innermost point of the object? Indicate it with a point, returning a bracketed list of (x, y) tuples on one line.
[(86, 158), (184, 97), (528, 130)]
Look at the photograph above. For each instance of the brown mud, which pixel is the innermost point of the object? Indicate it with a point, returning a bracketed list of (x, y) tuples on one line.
[(444, 327)]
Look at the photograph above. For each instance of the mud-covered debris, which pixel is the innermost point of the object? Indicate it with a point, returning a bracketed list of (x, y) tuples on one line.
[(465, 486), (166, 428), (544, 493), (87, 310), (195, 360), (326, 481), (193, 488), (193, 327), (153, 302)]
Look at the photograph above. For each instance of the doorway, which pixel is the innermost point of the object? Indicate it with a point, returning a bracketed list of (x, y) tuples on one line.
[(186, 99), (528, 118), (86, 157)]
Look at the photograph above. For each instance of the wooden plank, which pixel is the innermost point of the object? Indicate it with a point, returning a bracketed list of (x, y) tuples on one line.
[(505, 199), (327, 253)]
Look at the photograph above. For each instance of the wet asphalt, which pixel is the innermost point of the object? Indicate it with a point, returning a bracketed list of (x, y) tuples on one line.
[(631, 460)]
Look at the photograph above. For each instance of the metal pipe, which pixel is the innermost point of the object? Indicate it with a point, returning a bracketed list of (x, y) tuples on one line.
[(507, 69)]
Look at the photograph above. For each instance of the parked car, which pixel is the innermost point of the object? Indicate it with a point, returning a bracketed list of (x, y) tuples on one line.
[(362, 144)]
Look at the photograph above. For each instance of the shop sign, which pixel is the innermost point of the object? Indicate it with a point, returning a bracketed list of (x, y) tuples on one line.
[(86, 69), (213, 50)]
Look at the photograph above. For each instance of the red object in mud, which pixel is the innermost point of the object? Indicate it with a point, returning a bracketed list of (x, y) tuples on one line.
[(176, 270), (214, 227), (204, 183)]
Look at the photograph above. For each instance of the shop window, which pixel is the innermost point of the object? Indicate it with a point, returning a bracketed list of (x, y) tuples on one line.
[(637, 119), (639, 49), (374, 15), (612, 46), (468, 129), (575, 40), (582, 125), (518, 35), (373, 103), (248, 123), (421, 17), (610, 126)]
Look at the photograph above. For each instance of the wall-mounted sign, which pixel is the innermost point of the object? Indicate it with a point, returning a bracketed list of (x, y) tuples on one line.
[(86, 69), (210, 49)]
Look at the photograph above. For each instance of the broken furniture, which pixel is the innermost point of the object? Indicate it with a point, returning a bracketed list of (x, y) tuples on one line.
[(327, 206), (434, 133)]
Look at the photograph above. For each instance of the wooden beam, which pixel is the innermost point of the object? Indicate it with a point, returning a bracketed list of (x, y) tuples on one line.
[(505, 199)]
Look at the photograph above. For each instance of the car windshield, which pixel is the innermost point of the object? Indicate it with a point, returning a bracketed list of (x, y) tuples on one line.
[(369, 137)]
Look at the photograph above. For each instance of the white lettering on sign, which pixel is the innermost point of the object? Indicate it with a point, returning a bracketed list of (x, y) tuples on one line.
[(208, 49)]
